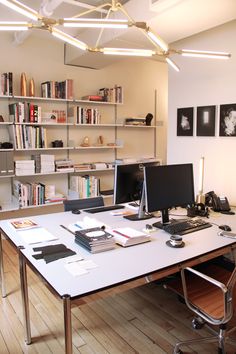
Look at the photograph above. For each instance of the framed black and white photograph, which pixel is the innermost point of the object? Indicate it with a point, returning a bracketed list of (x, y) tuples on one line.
[(206, 116), (185, 121), (228, 119)]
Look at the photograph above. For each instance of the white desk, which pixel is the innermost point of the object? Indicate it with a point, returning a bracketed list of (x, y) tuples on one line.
[(149, 261)]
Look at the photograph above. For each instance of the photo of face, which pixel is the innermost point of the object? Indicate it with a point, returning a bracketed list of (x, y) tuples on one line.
[(228, 120), (185, 121)]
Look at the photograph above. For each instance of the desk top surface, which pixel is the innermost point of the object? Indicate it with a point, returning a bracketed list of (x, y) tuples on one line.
[(120, 264)]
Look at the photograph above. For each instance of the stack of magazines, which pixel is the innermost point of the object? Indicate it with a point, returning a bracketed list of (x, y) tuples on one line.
[(95, 239)]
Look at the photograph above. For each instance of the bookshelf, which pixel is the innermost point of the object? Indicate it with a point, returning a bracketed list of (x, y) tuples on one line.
[(72, 133)]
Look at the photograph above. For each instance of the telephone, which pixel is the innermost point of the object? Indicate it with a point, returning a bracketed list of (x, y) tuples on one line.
[(220, 204)]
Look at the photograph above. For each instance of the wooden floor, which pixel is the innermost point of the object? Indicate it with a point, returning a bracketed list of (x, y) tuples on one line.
[(144, 320)]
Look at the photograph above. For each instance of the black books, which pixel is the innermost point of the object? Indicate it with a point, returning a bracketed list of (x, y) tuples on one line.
[(95, 239)]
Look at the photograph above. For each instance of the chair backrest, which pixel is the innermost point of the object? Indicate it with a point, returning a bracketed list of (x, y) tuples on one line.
[(83, 203)]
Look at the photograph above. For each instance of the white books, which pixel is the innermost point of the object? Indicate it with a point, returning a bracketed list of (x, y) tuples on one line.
[(127, 236)]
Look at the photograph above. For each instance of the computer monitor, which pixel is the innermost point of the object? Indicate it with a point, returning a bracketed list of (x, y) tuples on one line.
[(128, 186), (168, 186)]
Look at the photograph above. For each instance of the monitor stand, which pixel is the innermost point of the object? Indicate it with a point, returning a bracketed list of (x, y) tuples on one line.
[(165, 219), (136, 217), (142, 215)]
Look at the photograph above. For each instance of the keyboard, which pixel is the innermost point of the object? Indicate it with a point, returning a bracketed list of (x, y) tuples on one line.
[(186, 226), (104, 208)]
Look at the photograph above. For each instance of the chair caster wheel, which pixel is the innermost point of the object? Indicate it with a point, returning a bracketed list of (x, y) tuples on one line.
[(197, 323), (179, 352)]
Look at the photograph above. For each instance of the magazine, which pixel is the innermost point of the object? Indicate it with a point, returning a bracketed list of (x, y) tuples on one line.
[(24, 224)]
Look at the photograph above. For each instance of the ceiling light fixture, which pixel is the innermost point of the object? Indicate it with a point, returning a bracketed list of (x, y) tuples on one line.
[(94, 23), (128, 52), (68, 39), (158, 40), (21, 8), (161, 48), (14, 26), (171, 63), (204, 54)]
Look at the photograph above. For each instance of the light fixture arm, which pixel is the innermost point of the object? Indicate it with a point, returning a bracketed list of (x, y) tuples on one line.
[(102, 29), (95, 8)]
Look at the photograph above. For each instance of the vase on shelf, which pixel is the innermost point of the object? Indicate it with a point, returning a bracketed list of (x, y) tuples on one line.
[(23, 83), (31, 88)]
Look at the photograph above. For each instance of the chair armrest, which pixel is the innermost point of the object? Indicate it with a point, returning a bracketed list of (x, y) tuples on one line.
[(200, 312), (206, 277)]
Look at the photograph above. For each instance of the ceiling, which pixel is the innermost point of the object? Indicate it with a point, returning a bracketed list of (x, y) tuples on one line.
[(171, 19)]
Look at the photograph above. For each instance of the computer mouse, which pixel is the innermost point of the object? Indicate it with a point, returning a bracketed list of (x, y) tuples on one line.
[(76, 211), (225, 227)]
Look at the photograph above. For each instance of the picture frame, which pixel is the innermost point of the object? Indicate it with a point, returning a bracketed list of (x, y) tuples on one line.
[(206, 118), (227, 123), (185, 121)]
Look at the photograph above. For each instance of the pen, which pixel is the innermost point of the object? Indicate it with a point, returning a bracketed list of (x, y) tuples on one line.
[(79, 227), (64, 227)]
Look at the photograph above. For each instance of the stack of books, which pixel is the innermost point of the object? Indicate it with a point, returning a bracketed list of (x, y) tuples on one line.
[(65, 165), (95, 239), (24, 167)]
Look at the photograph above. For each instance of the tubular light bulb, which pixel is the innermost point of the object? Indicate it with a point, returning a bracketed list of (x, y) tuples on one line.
[(128, 52), (95, 23), (201, 175), (158, 40), (13, 26), (69, 39), (205, 54), (21, 8), (171, 63)]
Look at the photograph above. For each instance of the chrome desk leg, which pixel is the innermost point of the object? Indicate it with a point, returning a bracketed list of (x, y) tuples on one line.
[(2, 279), (25, 299), (67, 324)]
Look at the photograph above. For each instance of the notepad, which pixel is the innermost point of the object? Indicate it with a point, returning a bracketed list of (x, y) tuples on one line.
[(127, 236), (36, 235)]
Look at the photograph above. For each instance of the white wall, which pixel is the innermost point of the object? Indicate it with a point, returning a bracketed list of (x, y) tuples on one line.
[(203, 82)]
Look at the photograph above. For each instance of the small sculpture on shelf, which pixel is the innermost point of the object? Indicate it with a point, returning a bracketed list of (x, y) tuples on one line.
[(149, 118), (23, 84), (31, 88), (85, 142), (1, 119), (57, 144), (100, 141)]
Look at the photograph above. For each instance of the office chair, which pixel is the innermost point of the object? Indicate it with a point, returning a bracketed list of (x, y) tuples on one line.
[(210, 296), (84, 203)]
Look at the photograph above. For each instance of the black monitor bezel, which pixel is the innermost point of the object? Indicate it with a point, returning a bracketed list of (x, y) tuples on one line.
[(161, 206)]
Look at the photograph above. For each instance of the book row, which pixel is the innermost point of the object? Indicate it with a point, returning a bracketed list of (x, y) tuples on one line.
[(26, 112), (114, 94), (6, 87), (58, 89), (84, 186), (28, 137), (29, 194), (83, 115)]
